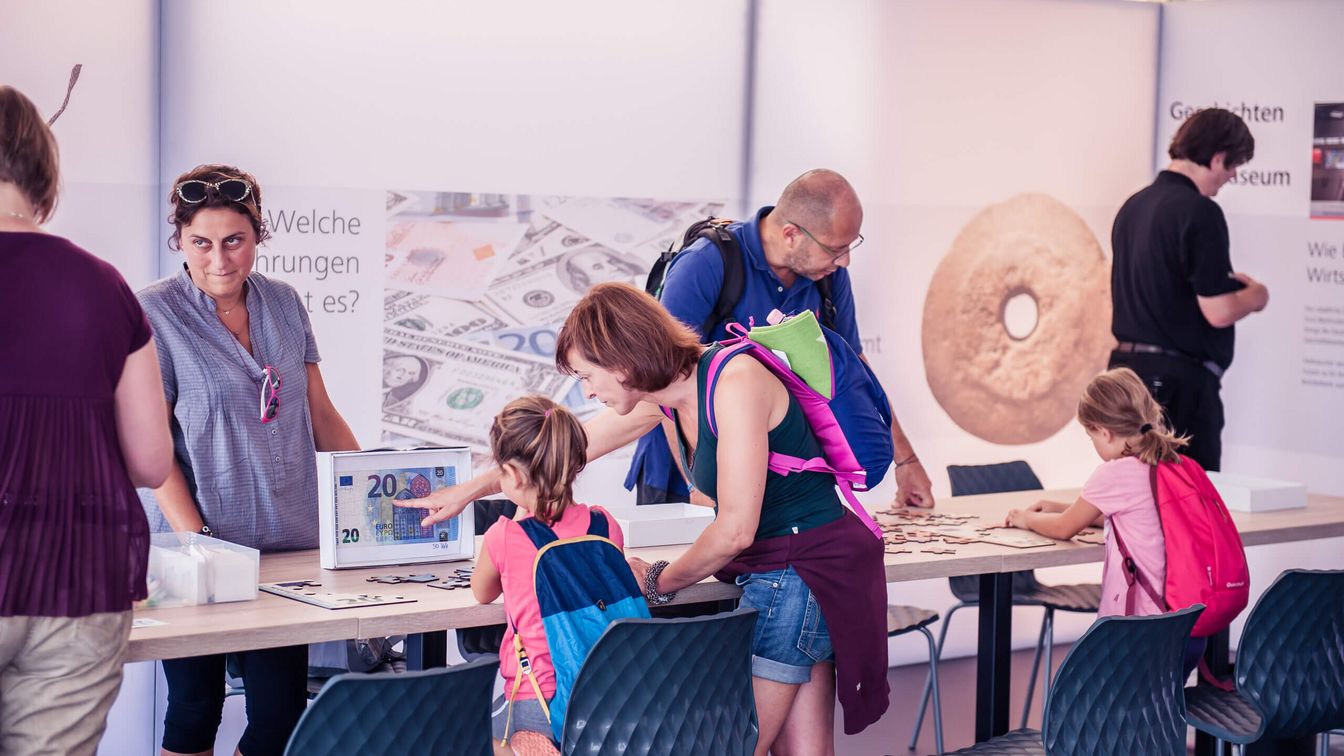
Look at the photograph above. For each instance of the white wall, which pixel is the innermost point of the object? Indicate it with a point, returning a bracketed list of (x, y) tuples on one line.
[(108, 135), (933, 111)]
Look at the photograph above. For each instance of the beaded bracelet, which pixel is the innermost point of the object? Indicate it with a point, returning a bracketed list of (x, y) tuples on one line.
[(651, 584)]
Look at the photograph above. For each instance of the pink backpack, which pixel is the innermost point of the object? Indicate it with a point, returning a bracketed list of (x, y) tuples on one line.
[(1206, 563), (828, 424)]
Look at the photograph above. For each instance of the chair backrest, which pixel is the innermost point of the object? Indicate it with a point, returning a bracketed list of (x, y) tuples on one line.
[(1290, 663), (658, 686), (1120, 689), (386, 713), (968, 480)]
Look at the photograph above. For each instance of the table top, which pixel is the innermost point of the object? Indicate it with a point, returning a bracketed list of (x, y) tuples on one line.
[(274, 620)]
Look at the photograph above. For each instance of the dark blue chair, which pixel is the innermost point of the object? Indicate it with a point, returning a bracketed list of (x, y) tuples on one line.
[(661, 686), (1118, 692), (969, 480), (443, 710), (1290, 665)]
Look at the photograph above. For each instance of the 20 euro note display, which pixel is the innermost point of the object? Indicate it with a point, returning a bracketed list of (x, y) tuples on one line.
[(364, 520)]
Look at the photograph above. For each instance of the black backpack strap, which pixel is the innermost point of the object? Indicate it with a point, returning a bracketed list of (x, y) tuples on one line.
[(828, 313), (734, 277), (597, 524), (654, 283)]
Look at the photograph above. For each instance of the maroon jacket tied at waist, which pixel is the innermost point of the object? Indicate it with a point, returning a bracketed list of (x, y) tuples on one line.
[(841, 562)]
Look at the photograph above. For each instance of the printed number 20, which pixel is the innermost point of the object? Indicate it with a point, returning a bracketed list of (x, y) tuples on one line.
[(384, 486), (350, 535)]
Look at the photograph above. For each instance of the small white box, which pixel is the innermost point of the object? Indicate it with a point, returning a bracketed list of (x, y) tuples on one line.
[(662, 524), (1244, 493), (186, 569)]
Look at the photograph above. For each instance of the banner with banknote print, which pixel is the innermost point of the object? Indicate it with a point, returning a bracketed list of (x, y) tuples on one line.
[(476, 287)]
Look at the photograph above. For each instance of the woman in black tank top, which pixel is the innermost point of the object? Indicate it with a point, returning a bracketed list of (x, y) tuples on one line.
[(786, 540)]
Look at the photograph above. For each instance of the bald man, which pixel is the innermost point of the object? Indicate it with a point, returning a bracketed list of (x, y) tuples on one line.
[(789, 250)]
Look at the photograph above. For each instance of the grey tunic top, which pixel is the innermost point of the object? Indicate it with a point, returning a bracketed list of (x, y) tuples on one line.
[(254, 483)]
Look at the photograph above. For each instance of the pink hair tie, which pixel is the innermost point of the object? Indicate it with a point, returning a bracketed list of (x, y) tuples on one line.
[(547, 413)]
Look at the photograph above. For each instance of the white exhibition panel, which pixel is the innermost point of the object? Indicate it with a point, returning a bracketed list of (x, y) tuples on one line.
[(346, 101), (603, 98), (1285, 391), (935, 111), (108, 135)]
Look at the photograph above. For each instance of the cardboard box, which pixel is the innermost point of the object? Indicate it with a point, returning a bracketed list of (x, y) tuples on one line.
[(661, 524), (1243, 493)]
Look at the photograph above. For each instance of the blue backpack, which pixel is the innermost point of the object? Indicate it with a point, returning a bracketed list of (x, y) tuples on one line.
[(583, 584), (845, 407)]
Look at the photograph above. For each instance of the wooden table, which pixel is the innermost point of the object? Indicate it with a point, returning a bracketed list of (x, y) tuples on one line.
[(273, 620)]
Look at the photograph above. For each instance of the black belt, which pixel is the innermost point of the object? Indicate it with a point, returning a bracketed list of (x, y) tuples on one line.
[(1136, 348)]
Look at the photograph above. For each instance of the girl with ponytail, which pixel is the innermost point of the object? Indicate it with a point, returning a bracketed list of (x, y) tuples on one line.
[(539, 447), (1130, 435)]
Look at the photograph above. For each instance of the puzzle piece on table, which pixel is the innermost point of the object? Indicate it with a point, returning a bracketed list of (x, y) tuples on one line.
[(890, 550), (957, 540), (1091, 536), (938, 551)]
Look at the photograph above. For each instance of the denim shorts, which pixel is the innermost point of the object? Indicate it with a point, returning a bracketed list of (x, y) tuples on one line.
[(527, 715), (791, 634)]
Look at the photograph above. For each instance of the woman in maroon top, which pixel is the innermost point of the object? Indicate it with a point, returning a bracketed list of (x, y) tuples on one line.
[(81, 424)]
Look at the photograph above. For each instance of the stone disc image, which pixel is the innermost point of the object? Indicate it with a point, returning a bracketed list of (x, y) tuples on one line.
[(1017, 320)]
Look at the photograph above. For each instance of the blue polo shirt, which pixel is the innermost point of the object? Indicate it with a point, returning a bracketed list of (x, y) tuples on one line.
[(690, 289), (692, 285)]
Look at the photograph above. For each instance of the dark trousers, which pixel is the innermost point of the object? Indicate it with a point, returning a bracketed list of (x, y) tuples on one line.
[(1189, 394), (275, 684)]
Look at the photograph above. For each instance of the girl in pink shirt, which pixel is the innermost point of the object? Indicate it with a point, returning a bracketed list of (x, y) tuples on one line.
[(540, 447), (1130, 435)]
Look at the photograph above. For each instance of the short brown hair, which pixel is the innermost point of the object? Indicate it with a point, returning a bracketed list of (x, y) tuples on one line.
[(548, 444), (249, 208), (1118, 401), (620, 328), (1209, 132), (29, 158)]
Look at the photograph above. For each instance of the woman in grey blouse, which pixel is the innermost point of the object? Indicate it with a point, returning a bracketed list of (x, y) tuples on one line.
[(248, 411)]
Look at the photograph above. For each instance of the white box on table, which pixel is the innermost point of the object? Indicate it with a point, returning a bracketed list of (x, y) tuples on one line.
[(1244, 493), (186, 569), (661, 524)]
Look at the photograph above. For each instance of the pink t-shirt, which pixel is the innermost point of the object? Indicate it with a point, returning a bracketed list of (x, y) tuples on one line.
[(1123, 491), (513, 554)]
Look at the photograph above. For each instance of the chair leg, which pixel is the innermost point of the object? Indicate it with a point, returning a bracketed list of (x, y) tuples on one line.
[(937, 702), (1048, 682), (928, 683), (1035, 664), (1323, 748)]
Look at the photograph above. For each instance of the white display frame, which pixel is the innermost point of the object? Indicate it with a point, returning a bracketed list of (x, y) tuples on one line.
[(331, 465)]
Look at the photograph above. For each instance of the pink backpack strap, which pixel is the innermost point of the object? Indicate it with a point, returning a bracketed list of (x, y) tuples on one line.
[(1132, 574), (784, 464)]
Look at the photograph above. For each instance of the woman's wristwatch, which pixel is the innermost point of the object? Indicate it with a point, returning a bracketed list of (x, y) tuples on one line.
[(651, 584)]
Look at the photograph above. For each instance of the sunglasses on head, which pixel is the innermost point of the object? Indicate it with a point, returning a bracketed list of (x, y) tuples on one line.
[(193, 191)]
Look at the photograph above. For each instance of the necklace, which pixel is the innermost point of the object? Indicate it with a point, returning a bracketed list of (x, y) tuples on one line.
[(238, 333), (13, 214)]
